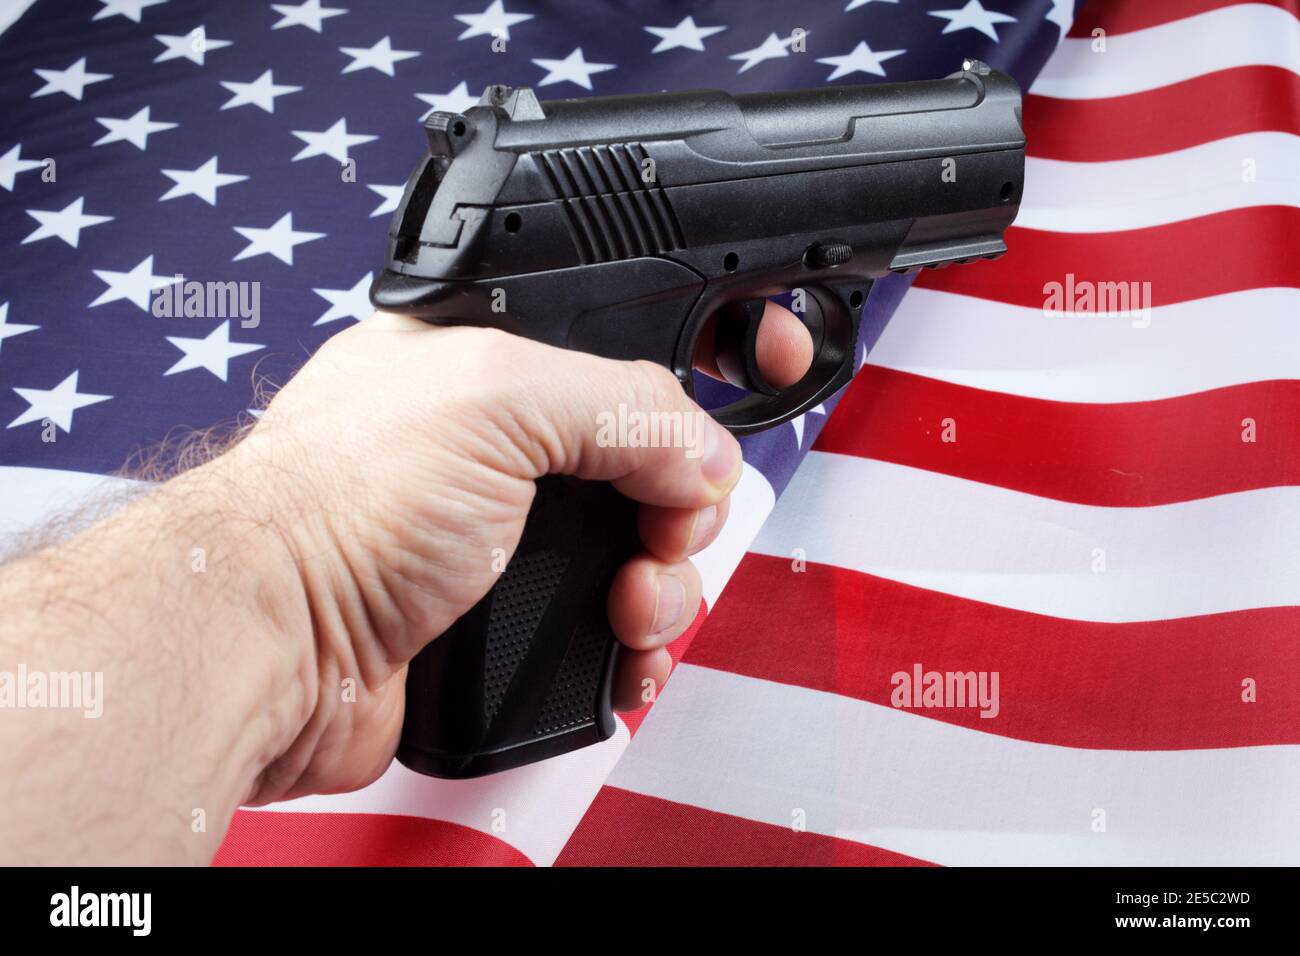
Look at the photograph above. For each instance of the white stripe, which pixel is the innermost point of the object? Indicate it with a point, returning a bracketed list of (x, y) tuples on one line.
[(1188, 347), (751, 502), (1249, 34), (868, 773), (11, 10), (1017, 550), (1171, 187), (36, 500), (535, 808)]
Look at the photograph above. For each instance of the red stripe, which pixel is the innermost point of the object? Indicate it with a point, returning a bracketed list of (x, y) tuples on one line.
[(1157, 685), (676, 649), (629, 829), (1229, 251), (1250, 99), (1129, 454), (1126, 16), (275, 838)]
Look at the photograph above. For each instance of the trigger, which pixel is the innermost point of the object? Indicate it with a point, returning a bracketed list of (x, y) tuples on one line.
[(736, 345)]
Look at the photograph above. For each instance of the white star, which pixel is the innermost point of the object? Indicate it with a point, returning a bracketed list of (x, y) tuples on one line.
[(798, 423), (1062, 14), (392, 196), (686, 34), (333, 142), (72, 81), (572, 69), (457, 101), (973, 16), (192, 46), (135, 286), (202, 182), (862, 3), (310, 15), (12, 163), (9, 329), (494, 21), (212, 353), (381, 57), (862, 60), (278, 240), (260, 93), (57, 403), (134, 130), (131, 9), (770, 48), (66, 224), (351, 303)]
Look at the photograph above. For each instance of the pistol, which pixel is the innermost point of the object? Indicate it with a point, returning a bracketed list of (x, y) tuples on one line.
[(620, 226)]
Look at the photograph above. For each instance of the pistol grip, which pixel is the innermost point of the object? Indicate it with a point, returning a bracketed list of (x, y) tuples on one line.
[(526, 673)]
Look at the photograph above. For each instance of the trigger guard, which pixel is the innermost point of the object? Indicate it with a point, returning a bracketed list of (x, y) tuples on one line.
[(840, 307)]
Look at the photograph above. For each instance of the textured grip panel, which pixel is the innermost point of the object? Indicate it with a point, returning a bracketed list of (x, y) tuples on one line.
[(567, 705), (525, 674), (519, 601)]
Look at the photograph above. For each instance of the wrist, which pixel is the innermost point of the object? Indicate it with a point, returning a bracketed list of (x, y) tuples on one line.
[(247, 566), (227, 577), (187, 608)]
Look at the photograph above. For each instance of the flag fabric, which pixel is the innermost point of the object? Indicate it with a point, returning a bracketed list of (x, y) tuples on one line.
[(149, 143), (1110, 530)]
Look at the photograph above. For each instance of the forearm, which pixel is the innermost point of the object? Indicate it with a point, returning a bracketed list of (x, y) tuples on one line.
[(253, 619), (190, 605)]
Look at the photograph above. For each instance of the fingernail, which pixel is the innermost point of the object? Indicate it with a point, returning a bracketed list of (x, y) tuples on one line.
[(671, 601), (721, 455), (705, 519)]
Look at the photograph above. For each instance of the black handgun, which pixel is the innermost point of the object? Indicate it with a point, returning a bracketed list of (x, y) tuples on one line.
[(618, 226)]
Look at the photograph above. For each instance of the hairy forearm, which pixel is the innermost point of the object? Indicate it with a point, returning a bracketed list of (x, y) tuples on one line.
[(186, 610), (253, 619)]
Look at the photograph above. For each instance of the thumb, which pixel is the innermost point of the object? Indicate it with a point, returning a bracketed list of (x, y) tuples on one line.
[(630, 423)]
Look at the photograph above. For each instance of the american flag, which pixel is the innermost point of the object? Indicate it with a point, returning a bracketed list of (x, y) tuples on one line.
[(1091, 504)]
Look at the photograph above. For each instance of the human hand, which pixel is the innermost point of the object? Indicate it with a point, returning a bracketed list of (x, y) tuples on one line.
[(402, 456)]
